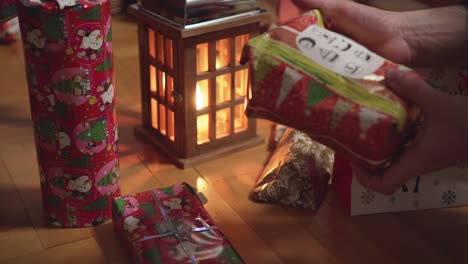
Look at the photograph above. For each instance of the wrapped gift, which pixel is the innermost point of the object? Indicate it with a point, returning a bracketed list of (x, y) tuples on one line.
[(297, 173), (69, 67), (444, 188), (170, 225), (276, 131), (7, 10), (9, 31), (328, 86)]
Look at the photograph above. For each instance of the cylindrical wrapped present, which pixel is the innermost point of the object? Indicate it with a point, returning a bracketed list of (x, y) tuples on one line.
[(69, 66)]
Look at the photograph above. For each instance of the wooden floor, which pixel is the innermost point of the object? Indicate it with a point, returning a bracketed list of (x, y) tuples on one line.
[(261, 233)]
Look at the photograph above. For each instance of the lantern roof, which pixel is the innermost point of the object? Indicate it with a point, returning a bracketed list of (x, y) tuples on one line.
[(183, 13)]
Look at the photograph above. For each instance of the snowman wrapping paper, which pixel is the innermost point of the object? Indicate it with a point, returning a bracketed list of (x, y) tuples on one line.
[(69, 67), (307, 77), (170, 225)]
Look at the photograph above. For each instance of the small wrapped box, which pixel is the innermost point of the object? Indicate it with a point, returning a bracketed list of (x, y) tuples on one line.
[(170, 225), (307, 77)]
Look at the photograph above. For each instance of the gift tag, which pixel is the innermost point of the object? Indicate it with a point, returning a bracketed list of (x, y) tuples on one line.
[(202, 198), (63, 3), (338, 53)]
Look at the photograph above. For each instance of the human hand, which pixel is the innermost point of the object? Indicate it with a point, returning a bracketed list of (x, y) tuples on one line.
[(415, 38), (440, 142)]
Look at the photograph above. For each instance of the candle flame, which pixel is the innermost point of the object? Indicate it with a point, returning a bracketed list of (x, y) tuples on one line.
[(198, 98)]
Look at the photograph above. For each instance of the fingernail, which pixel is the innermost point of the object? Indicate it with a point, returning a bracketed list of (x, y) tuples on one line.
[(392, 77)]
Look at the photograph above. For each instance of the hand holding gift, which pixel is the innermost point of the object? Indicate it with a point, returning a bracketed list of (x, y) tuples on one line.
[(317, 81), (413, 38)]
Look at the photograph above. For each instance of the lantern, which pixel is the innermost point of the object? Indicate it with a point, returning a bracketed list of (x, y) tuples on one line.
[(192, 86)]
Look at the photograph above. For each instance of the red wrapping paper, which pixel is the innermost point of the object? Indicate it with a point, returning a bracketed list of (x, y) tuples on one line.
[(69, 66), (439, 189), (170, 225), (330, 87)]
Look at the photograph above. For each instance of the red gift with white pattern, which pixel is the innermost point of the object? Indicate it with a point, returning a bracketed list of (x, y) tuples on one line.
[(69, 66), (170, 225)]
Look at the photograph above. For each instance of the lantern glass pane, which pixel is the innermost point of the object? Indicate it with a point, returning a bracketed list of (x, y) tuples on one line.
[(160, 47), (223, 53), (223, 121), (170, 88), (240, 119), (203, 129), (151, 43), (240, 83), (202, 97), (169, 53), (240, 43), (162, 84), (202, 57), (162, 119), (223, 88), (152, 78), (170, 124), (154, 113)]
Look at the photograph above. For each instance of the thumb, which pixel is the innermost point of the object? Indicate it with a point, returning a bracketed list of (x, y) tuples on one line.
[(412, 87)]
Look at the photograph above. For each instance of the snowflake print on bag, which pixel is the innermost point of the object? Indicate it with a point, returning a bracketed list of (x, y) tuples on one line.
[(367, 197), (449, 197)]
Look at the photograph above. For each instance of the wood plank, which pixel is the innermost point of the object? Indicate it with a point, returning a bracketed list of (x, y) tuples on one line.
[(386, 231), (111, 244), (25, 176), (16, 126), (17, 242), (447, 230), (85, 251), (135, 176), (17, 236), (233, 181), (335, 231)]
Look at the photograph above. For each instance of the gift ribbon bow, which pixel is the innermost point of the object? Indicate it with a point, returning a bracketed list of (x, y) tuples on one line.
[(182, 233)]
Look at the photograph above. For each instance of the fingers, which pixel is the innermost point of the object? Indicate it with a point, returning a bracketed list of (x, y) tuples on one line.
[(367, 25), (386, 183), (412, 87), (405, 167), (323, 5)]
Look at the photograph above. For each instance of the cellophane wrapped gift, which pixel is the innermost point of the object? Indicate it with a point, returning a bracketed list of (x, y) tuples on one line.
[(170, 225), (69, 68), (440, 189), (7, 10), (297, 172), (309, 78)]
